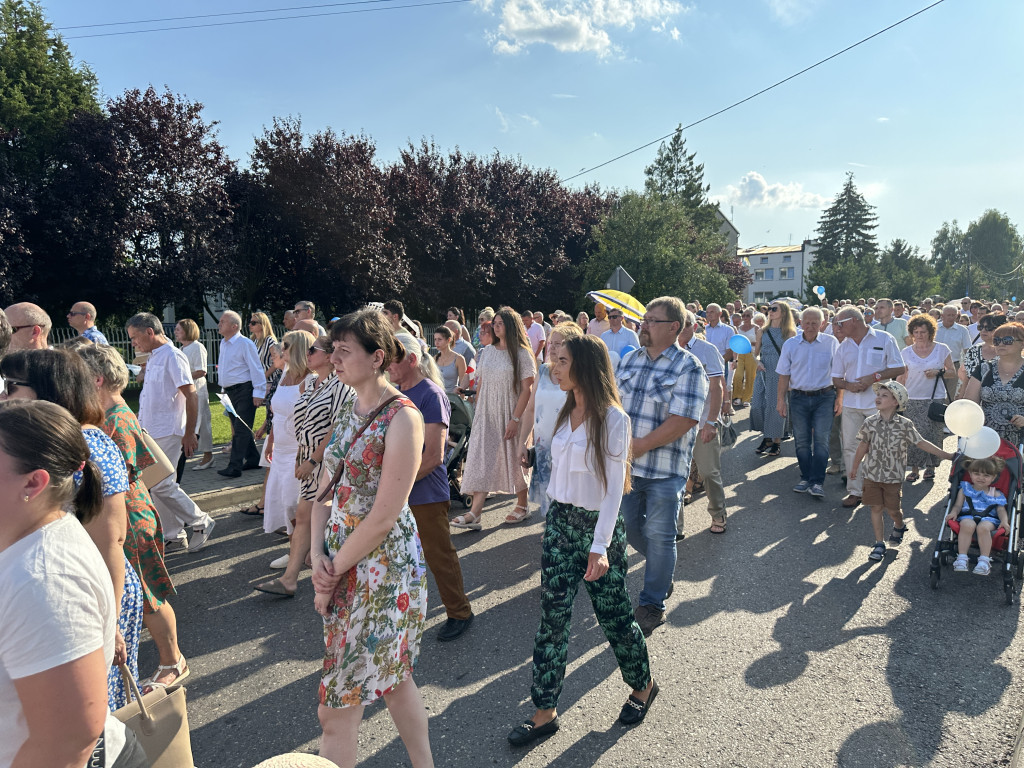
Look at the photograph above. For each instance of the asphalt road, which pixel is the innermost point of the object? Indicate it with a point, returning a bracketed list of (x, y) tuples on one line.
[(783, 647)]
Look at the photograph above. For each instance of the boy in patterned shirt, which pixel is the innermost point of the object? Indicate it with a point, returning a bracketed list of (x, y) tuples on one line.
[(884, 438)]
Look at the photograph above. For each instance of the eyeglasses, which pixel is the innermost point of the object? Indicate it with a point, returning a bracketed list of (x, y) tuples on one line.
[(840, 322), (315, 348), (654, 321), (1004, 340), (16, 328), (72, 314), (10, 384)]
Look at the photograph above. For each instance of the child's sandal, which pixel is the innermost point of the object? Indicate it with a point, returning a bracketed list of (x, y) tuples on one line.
[(877, 552), (896, 537)]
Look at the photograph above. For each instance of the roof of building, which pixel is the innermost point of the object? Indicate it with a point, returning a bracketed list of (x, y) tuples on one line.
[(770, 249)]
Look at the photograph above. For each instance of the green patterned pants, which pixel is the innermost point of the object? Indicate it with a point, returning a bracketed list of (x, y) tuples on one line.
[(566, 549)]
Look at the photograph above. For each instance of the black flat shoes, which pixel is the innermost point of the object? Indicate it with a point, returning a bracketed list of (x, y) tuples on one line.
[(526, 733), (634, 710)]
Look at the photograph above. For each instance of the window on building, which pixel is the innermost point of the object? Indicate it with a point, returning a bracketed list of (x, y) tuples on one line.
[(759, 274), (785, 273), (788, 257), (761, 297), (764, 259)]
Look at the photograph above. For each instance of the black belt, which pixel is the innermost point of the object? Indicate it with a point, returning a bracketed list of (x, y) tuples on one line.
[(814, 392)]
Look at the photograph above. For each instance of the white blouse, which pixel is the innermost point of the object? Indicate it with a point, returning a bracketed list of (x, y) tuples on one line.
[(574, 480)]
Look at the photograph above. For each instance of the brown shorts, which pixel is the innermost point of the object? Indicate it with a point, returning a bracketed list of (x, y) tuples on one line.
[(882, 495)]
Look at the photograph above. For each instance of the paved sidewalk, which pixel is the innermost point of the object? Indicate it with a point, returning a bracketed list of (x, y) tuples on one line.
[(212, 491)]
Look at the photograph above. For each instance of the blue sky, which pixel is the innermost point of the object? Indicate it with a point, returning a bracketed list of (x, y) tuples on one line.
[(928, 116)]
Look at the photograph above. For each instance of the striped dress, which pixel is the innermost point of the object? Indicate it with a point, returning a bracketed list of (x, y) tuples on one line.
[(315, 413)]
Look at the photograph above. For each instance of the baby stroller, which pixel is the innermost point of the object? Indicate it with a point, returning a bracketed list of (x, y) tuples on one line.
[(1005, 544), (458, 446)]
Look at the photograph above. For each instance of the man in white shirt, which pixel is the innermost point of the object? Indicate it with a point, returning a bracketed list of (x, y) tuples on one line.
[(240, 374), (807, 395), (957, 338), (168, 409), (600, 323), (707, 446), (618, 337), (536, 333), (894, 326), (865, 356), (538, 317)]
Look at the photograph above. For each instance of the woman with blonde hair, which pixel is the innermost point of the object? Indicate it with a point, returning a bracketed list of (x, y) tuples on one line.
[(505, 376), (483, 319), (186, 333), (261, 331), (764, 417), (282, 493)]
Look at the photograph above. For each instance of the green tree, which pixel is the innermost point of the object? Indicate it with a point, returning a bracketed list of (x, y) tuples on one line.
[(656, 241), (41, 85), (845, 262), (949, 254), (994, 247), (904, 274)]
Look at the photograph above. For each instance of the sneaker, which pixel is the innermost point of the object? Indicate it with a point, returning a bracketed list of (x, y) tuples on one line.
[(280, 563), (833, 469), (817, 491), (202, 534), (982, 568), (802, 487), (649, 618), (179, 544), (960, 565)]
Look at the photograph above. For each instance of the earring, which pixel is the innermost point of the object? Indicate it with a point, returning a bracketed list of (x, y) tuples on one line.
[(26, 497)]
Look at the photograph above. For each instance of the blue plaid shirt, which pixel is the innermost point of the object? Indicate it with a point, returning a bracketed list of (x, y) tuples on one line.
[(673, 384)]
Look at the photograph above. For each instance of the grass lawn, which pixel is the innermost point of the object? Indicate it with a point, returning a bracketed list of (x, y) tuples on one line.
[(220, 421)]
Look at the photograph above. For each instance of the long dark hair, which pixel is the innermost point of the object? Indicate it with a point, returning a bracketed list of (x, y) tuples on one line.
[(57, 376), (591, 371), (41, 435), (515, 339)]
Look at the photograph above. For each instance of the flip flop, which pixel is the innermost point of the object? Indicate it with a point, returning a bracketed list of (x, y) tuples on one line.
[(255, 510), (274, 587)]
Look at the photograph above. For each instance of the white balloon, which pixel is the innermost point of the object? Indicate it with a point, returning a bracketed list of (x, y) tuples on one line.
[(964, 417), (982, 444)]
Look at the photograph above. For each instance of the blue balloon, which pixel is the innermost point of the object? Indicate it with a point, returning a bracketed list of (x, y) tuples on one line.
[(821, 290), (740, 344), (626, 350)]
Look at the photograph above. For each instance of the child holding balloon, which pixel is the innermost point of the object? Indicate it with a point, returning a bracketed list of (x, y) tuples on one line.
[(884, 438)]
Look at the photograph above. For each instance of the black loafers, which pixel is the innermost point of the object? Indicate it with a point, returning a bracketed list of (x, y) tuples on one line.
[(526, 733), (453, 628), (634, 711)]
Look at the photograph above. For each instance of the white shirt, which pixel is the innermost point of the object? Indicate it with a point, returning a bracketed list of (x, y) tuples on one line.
[(161, 403), (919, 386), (537, 337), (719, 335), (972, 329), (196, 355), (596, 327), (574, 481), (876, 352), (897, 328), (240, 362), (808, 363), (957, 338), (616, 342), (56, 606), (714, 367)]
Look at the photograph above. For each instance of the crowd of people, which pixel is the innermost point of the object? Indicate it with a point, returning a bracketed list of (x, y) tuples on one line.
[(605, 427)]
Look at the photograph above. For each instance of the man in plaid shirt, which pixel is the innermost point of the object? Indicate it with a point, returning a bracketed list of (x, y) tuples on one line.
[(663, 389)]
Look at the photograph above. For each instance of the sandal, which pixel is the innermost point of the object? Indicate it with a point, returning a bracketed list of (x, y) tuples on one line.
[(698, 488), (255, 509), (775, 449), (180, 670), (913, 477), (717, 527), (877, 551), (468, 521), (896, 537), (929, 474), (514, 517)]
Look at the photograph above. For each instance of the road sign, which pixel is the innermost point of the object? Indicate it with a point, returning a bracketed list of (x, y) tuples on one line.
[(620, 281)]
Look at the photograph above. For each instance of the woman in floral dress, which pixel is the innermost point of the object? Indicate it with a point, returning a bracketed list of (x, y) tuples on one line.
[(144, 540), (368, 569)]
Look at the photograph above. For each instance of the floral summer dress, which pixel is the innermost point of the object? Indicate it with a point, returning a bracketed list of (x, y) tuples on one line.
[(373, 632)]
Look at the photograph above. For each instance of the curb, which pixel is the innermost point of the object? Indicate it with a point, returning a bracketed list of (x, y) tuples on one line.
[(209, 501), (1017, 759)]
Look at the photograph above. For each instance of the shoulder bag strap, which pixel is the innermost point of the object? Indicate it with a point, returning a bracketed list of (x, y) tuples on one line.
[(772, 340), (329, 491)]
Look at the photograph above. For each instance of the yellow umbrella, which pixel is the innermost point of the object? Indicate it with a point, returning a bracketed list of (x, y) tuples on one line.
[(632, 308)]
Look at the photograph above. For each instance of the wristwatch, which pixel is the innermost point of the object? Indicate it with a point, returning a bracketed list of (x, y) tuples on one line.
[(516, 419), (711, 423), (878, 377)]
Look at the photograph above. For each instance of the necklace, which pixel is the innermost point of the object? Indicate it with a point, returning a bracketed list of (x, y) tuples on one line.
[(379, 400)]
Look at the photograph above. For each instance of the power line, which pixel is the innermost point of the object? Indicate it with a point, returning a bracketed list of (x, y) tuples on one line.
[(754, 95), (218, 15), (276, 18)]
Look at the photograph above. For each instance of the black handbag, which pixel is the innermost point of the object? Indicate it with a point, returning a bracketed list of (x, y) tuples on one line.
[(937, 411)]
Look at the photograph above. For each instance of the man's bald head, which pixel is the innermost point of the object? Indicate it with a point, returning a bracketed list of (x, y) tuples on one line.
[(309, 326), (30, 326)]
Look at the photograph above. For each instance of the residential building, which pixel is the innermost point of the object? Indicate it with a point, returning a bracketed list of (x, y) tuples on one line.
[(778, 270)]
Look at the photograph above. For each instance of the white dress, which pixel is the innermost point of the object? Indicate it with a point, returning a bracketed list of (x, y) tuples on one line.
[(196, 354), (547, 402), (282, 485)]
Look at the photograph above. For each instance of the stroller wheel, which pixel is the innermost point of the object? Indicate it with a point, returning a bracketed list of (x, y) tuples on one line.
[(1008, 591), (467, 500), (935, 579)]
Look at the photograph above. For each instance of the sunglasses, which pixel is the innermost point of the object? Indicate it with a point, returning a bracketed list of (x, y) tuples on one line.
[(614, 317), (10, 384), (16, 328), (1004, 340), (72, 314), (774, 309), (254, 322), (315, 348)]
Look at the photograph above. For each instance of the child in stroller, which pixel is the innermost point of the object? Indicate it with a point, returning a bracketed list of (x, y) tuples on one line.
[(979, 508)]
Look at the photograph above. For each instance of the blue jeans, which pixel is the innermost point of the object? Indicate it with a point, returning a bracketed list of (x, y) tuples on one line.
[(649, 511), (812, 424)]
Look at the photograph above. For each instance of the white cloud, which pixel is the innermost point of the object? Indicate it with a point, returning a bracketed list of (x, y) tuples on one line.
[(563, 96), (881, 119), (575, 26), (502, 119), (792, 11), (755, 192), (531, 120), (674, 32), (856, 165)]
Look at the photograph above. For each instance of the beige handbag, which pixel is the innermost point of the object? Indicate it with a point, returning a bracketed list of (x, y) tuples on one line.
[(160, 722), (162, 469)]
